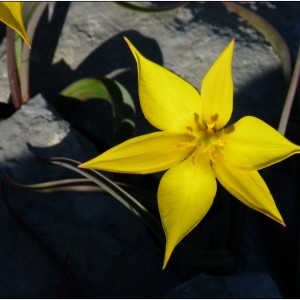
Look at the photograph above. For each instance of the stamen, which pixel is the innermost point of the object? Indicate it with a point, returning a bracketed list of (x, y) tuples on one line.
[(196, 117), (193, 159), (210, 125), (210, 128), (208, 139), (201, 145), (213, 155), (189, 129), (184, 145), (220, 143), (214, 118)]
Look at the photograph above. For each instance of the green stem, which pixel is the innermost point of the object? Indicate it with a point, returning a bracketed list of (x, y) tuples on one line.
[(13, 76), (38, 10)]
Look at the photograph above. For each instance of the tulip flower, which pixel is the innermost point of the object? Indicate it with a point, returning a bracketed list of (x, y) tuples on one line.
[(196, 146), (11, 15)]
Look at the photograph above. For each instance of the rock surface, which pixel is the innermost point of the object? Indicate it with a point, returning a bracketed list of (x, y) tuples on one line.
[(251, 286), (102, 238), (108, 249)]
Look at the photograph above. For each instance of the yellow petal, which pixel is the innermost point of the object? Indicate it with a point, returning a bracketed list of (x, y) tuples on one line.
[(217, 90), (167, 101), (145, 154), (11, 15), (185, 194), (249, 188), (252, 144)]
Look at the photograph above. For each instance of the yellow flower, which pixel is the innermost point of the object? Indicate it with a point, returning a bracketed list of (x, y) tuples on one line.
[(11, 15), (196, 148)]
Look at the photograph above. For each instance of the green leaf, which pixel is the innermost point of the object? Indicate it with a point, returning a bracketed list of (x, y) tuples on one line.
[(85, 89), (111, 91)]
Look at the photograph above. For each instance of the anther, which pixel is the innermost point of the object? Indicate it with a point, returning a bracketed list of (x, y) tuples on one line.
[(196, 117), (182, 146), (213, 155), (189, 129), (210, 125), (220, 143)]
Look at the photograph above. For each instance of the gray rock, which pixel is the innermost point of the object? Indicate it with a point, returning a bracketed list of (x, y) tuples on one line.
[(249, 286), (186, 40), (110, 252)]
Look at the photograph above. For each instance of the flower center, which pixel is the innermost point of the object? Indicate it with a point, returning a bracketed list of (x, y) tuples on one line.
[(210, 143), (207, 140)]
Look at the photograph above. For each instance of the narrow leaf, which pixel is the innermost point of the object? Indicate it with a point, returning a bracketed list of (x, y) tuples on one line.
[(73, 185), (152, 6), (268, 31), (146, 197), (211, 259), (290, 96)]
